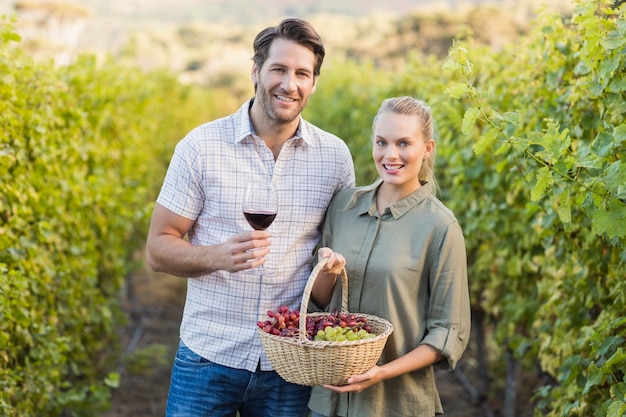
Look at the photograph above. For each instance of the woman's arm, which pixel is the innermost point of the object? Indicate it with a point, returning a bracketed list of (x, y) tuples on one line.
[(420, 357)]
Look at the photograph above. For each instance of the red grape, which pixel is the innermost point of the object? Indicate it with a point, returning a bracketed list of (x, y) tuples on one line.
[(286, 323)]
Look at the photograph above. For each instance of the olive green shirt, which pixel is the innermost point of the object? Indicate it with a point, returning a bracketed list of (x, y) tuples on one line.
[(408, 266)]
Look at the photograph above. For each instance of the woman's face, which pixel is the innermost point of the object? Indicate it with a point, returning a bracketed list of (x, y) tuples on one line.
[(399, 150)]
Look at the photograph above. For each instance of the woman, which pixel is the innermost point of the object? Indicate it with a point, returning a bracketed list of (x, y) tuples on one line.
[(404, 254)]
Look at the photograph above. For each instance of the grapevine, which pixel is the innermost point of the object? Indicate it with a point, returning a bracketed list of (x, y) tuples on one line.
[(335, 326)]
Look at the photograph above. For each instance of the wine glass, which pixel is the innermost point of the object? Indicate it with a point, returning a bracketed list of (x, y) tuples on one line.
[(260, 207)]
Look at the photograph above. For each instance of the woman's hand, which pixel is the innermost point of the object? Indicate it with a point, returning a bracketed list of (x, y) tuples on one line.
[(358, 383), (420, 357), (323, 287), (335, 262)]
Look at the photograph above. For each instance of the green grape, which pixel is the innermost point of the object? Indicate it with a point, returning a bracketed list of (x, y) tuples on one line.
[(352, 335)]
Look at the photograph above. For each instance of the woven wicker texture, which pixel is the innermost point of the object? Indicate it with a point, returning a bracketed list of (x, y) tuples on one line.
[(306, 362)]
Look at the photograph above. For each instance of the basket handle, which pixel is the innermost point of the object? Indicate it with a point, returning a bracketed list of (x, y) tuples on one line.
[(307, 295)]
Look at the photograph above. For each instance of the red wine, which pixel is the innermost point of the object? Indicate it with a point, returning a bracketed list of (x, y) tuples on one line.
[(259, 220)]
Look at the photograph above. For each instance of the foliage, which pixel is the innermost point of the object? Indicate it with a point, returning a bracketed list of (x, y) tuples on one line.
[(79, 149), (548, 116)]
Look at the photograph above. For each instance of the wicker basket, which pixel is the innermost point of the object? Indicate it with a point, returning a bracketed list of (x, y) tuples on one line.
[(306, 362)]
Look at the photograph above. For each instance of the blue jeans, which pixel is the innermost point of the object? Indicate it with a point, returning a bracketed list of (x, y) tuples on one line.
[(203, 388)]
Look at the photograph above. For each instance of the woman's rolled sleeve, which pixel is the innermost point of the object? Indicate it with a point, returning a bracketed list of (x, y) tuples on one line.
[(448, 342), (449, 318)]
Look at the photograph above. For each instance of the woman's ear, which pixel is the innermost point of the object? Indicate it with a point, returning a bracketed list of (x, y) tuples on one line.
[(430, 147)]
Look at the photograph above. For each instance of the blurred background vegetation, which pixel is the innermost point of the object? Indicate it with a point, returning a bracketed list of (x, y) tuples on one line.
[(209, 42)]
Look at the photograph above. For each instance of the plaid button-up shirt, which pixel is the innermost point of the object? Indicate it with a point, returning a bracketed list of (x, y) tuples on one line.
[(205, 182)]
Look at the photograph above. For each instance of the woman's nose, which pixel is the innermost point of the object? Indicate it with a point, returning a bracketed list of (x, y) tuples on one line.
[(391, 152)]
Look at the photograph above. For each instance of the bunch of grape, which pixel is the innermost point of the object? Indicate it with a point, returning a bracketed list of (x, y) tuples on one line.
[(334, 327)]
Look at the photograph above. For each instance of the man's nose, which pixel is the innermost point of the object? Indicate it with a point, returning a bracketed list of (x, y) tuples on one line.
[(288, 82)]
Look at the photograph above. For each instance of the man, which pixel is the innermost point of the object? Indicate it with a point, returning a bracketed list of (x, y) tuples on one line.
[(220, 367)]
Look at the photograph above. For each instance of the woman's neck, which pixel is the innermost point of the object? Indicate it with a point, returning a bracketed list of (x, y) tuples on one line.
[(389, 194)]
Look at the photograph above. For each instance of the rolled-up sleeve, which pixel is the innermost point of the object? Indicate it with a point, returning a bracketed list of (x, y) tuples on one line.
[(449, 316)]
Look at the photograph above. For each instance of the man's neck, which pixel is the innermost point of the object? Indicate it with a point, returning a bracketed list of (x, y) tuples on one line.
[(273, 134)]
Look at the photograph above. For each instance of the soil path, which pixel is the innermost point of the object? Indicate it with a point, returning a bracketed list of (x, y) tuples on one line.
[(150, 339)]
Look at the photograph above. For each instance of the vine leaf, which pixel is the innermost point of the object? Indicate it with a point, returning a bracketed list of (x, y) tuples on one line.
[(485, 141), (619, 390), (457, 90), (616, 409), (565, 209), (595, 377), (615, 179), (543, 183), (619, 134), (469, 119), (611, 221)]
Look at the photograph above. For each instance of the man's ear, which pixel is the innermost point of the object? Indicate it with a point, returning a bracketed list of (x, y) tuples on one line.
[(254, 73), (314, 85)]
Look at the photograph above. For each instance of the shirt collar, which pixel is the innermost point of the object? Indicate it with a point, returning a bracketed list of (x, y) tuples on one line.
[(245, 129), (367, 204)]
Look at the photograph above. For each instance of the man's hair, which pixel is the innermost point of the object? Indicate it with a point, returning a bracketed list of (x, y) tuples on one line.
[(296, 30)]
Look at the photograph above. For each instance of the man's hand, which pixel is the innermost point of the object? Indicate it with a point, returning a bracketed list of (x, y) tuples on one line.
[(244, 251)]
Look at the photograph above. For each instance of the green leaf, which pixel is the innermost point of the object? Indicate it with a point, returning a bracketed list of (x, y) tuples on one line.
[(615, 179), (544, 176), (468, 68), (112, 380), (556, 143), (11, 36), (457, 90), (619, 391), (586, 158), (608, 67), (603, 145), (450, 65), (565, 208), (595, 376), (613, 42), (510, 117), (616, 409), (617, 359), (469, 119), (612, 221), (617, 85), (485, 141), (619, 134)]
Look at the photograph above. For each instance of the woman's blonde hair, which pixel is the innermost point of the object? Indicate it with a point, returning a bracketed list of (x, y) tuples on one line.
[(409, 106)]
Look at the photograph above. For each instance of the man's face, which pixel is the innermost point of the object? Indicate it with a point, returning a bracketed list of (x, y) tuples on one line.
[(285, 81)]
